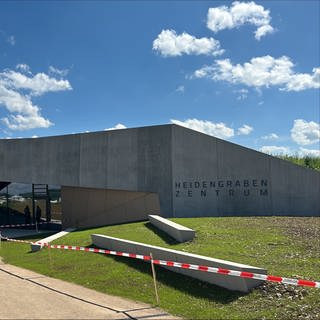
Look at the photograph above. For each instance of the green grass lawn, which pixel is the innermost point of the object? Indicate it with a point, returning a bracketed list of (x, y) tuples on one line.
[(284, 246)]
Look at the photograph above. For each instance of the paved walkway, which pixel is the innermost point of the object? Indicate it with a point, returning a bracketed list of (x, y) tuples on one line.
[(21, 233), (25, 294)]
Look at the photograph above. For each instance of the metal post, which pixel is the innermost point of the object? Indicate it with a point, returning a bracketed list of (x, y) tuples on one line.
[(33, 208), (154, 279), (48, 205), (7, 203)]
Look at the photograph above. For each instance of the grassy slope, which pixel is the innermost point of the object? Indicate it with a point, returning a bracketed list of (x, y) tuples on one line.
[(284, 246)]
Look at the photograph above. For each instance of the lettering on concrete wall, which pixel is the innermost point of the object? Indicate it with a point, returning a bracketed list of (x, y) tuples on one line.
[(223, 187)]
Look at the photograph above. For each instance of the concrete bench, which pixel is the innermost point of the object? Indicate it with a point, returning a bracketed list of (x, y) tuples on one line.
[(175, 230), (228, 282)]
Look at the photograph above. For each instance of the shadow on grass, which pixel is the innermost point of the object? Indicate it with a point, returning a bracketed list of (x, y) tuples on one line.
[(182, 283), (36, 236), (161, 234), (188, 285), (107, 225)]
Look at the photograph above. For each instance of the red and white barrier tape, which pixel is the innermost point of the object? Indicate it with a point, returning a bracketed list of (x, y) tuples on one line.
[(96, 250), (20, 225), (242, 274), (226, 272), (14, 240)]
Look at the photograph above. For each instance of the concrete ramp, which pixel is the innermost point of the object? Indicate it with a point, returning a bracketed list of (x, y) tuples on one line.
[(39, 244), (176, 231), (228, 282)]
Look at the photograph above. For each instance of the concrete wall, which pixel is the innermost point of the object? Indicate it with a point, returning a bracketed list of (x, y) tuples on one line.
[(87, 207), (134, 160), (192, 173), (212, 177)]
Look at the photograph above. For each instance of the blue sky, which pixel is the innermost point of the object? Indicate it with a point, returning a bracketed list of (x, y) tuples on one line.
[(247, 72)]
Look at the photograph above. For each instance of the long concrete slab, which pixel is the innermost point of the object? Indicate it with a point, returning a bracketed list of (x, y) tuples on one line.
[(39, 244), (228, 282), (175, 230)]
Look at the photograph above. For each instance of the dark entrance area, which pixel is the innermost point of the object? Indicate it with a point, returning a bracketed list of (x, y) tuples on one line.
[(43, 199)]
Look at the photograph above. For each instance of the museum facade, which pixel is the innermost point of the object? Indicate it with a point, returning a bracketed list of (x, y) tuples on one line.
[(122, 175)]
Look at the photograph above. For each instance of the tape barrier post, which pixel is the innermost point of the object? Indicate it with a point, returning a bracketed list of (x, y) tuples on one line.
[(50, 258), (154, 279)]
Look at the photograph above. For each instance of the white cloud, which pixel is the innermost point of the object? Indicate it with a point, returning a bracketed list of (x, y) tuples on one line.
[(301, 152), (8, 38), (38, 84), (26, 122), (262, 31), (169, 44), (301, 81), (58, 72), (244, 130), (242, 94), (23, 67), (16, 92), (180, 89), (219, 130), (15, 101), (263, 71), (271, 136), (201, 73), (240, 13), (305, 133), (309, 152), (204, 72), (116, 127), (11, 40), (275, 150)]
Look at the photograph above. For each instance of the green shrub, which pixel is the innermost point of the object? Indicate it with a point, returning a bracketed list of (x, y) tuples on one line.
[(307, 161)]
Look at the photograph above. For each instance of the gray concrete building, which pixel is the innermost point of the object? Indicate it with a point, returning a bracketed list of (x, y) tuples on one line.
[(123, 175)]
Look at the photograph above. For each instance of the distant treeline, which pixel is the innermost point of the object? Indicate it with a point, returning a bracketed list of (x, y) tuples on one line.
[(309, 162), (55, 194)]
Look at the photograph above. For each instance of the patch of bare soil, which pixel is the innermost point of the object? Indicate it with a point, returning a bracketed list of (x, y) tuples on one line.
[(289, 300), (305, 231), (302, 228)]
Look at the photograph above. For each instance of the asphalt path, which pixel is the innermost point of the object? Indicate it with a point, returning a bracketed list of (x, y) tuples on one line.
[(28, 295)]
